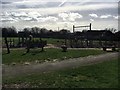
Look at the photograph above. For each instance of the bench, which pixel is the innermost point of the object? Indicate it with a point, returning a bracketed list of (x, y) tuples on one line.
[(113, 48)]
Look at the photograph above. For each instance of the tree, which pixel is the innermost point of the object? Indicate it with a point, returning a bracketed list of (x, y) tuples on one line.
[(12, 31), (26, 32), (35, 31), (5, 31), (29, 43), (43, 30), (113, 30), (64, 33)]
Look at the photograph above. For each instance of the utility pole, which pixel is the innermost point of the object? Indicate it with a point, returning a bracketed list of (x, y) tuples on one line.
[(73, 28), (58, 28), (90, 27)]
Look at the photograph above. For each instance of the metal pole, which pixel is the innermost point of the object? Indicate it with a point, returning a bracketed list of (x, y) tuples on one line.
[(73, 28), (90, 27)]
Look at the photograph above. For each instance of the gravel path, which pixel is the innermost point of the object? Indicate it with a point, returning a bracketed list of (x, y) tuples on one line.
[(50, 66)]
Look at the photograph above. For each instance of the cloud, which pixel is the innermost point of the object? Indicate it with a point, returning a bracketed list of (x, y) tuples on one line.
[(73, 16), (70, 16), (18, 14), (51, 18), (64, 16), (41, 19), (105, 16), (115, 17), (29, 2), (92, 20), (24, 12), (93, 15), (27, 19), (34, 14), (5, 2), (47, 19), (8, 19), (5, 14), (46, 9), (27, 16), (65, 5), (62, 3)]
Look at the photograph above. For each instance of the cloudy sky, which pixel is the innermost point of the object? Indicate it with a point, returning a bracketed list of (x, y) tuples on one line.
[(52, 14)]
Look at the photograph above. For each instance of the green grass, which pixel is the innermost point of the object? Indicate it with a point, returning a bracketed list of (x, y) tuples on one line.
[(54, 41), (102, 75), (49, 40), (49, 54)]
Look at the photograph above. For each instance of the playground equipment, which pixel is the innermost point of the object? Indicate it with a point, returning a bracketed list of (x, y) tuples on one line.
[(38, 43), (74, 41), (64, 48), (90, 27)]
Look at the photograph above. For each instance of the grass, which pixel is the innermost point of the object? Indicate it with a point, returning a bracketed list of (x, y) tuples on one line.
[(49, 40), (19, 56), (102, 75), (54, 41)]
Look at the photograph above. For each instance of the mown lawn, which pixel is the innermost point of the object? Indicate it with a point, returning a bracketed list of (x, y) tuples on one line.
[(49, 54), (102, 75)]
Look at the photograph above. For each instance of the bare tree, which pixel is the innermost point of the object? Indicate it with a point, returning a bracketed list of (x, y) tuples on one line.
[(5, 32), (113, 30)]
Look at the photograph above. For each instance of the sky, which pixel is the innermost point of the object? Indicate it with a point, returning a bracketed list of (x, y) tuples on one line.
[(52, 14)]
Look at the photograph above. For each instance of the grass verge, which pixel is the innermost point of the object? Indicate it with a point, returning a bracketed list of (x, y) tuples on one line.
[(102, 75), (18, 56)]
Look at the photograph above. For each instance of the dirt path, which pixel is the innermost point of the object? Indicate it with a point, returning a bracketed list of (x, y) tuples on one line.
[(47, 66)]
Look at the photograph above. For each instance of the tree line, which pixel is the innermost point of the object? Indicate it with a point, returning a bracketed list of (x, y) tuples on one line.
[(61, 34), (36, 32)]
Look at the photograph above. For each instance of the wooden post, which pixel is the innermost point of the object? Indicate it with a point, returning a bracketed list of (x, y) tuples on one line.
[(10, 42), (91, 43), (100, 43), (73, 28), (19, 39), (70, 42), (81, 43), (13, 43), (42, 47), (90, 27), (65, 39), (6, 42), (87, 43), (22, 41), (28, 46), (29, 43)]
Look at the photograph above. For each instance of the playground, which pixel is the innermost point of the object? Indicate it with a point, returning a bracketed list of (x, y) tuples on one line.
[(74, 60)]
